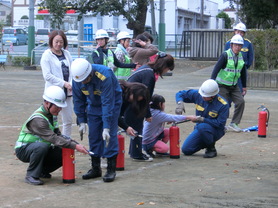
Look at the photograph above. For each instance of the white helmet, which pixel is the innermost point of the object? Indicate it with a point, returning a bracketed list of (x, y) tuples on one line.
[(237, 39), (209, 88), (122, 35), (240, 26), (101, 34), (80, 69), (55, 95)]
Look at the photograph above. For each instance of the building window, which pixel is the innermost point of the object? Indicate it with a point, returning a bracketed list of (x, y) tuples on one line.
[(2, 13)]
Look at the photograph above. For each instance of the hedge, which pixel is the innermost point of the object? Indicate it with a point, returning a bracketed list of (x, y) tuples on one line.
[(21, 61), (265, 43)]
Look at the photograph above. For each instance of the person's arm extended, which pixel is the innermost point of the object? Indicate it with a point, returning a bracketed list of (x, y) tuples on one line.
[(40, 127), (117, 63), (164, 117)]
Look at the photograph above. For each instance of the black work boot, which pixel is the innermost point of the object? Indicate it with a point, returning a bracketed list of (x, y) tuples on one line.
[(210, 152), (95, 171), (111, 169)]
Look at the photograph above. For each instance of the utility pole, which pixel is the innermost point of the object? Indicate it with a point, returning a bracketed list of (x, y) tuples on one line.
[(202, 15), (31, 28), (153, 21), (237, 21), (161, 29), (12, 14), (81, 33)]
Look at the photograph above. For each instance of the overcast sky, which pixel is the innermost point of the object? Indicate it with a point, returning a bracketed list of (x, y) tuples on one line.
[(221, 5)]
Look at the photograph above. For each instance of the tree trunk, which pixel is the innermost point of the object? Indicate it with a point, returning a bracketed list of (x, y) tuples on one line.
[(138, 23)]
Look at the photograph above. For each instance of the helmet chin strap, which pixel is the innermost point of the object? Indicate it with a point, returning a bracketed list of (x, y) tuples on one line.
[(48, 109)]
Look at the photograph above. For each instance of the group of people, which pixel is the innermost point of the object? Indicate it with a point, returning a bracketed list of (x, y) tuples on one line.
[(117, 90)]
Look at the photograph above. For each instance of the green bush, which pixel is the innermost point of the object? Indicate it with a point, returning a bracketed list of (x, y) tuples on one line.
[(265, 43), (21, 61)]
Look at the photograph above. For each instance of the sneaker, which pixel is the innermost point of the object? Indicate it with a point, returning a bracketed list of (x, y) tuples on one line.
[(45, 175), (149, 153), (33, 181), (144, 158), (166, 154), (210, 153), (234, 127)]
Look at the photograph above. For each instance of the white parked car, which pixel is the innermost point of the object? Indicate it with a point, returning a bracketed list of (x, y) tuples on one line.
[(72, 37), (42, 36), (112, 33)]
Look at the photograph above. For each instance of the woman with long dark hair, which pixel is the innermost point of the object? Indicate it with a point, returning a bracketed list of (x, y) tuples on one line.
[(146, 75), (136, 98)]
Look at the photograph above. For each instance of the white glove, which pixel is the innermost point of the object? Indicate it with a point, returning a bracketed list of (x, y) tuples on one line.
[(199, 119), (180, 108), (82, 128), (106, 136)]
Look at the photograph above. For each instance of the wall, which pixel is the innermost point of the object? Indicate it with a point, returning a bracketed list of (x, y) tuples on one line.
[(262, 79)]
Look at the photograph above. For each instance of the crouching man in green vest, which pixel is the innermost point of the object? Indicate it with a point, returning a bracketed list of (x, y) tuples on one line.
[(40, 139)]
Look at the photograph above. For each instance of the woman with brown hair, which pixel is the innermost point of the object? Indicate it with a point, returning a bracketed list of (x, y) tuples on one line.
[(146, 75), (55, 64)]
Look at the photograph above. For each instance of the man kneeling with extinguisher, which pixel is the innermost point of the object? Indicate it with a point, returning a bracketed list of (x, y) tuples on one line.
[(212, 112), (40, 140)]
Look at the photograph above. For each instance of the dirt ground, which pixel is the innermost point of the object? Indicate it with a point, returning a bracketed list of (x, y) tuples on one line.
[(243, 175)]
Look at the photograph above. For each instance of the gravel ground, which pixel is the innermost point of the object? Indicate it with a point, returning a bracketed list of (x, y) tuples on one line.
[(243, 175)]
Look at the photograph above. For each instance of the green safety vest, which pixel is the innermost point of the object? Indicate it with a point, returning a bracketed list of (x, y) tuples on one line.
[(109, 58), (123, 73), (26, 137), (230, 75)]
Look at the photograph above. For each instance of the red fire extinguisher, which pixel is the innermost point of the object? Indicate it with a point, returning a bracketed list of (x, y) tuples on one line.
[(68, 165), (263, 121), (174, 132), (120, 163)]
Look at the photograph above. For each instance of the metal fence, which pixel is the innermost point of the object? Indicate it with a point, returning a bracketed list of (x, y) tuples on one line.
[(203, 44), (197, 44), (193, 44)]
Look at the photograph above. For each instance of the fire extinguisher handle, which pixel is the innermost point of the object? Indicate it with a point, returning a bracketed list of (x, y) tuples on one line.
[(175, 123)]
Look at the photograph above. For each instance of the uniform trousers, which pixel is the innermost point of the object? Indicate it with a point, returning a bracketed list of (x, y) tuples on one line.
[(233, 94), (203, 136), (96, 142), (42, 158)]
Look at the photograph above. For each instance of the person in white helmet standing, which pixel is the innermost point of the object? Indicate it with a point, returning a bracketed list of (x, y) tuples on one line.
[(97, 98), (227, 71), (121, 53), (105, 56), (247, 48), (212, 112), (40, 140)]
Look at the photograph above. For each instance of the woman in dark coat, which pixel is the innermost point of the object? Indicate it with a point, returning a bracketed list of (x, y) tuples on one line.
[(146, 75)]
